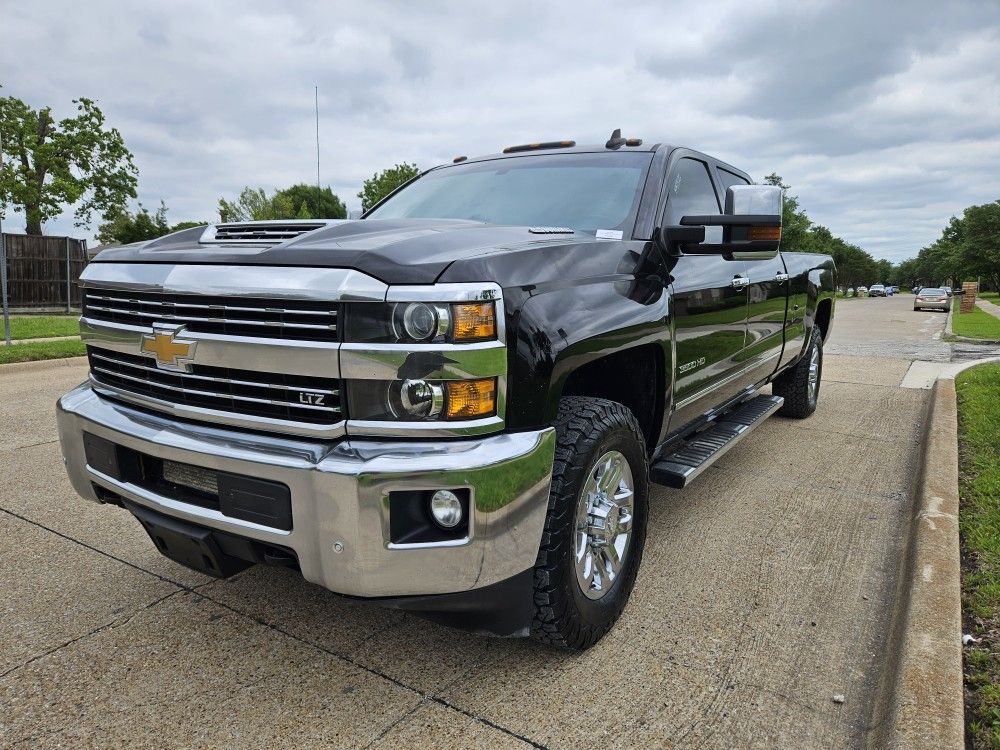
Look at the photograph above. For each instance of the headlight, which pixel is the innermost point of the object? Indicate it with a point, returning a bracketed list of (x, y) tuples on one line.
[(416, 399), (420, 322), (421, 400), (417, 321)]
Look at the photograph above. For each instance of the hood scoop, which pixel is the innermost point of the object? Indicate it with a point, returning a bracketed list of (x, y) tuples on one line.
[(261, 232)]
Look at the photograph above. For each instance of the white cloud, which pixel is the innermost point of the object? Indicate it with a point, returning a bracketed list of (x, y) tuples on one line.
[(883, 119)]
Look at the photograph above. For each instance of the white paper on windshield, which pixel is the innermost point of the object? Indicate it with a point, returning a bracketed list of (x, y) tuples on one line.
[(609, 234)]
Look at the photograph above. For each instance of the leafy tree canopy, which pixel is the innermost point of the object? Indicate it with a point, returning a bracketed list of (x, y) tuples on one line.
[(49, 166), (968, 249), (295, 202), (382, 183), (855, 266), (126, 227)]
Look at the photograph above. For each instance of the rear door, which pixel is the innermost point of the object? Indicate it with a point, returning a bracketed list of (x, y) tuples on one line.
[(710, 301)]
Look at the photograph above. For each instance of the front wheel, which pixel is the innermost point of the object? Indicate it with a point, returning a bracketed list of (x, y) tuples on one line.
[(799, 386), (595, 529)]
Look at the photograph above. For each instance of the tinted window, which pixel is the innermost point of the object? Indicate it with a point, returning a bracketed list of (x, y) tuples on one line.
[(729, 179), (690, 191), (582, 191), (933, 292)]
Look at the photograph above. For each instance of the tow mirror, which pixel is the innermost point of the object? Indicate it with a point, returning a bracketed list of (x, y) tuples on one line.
[(751, 226)]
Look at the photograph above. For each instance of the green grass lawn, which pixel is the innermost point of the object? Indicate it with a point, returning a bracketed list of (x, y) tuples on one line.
[(43, 326), (993, 297), (41, 350), (977, 324), (979, 520)]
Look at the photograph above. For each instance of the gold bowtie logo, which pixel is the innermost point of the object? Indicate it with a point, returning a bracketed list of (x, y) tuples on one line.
[(171, 353)]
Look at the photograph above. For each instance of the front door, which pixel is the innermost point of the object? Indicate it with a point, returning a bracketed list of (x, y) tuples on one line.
[(710, 317), (710, 302)]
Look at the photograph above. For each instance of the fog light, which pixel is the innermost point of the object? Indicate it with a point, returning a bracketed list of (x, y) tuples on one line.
[(446, 509)]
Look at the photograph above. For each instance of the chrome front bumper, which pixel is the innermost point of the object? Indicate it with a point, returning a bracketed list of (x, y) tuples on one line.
[(339, 494)]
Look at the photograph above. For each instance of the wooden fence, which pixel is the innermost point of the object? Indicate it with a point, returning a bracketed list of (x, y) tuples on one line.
[(43, 272)]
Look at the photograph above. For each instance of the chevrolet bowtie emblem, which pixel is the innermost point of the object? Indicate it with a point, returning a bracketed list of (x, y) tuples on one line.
[(171, 352)]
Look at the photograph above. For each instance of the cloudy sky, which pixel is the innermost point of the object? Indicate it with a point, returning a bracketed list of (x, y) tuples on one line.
[(884, 117)]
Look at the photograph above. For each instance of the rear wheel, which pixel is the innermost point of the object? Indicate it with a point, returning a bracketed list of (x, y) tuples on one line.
[(595, 529), (800, 385)]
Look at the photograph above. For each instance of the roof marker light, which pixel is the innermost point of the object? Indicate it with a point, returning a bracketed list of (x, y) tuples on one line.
[(539, 146)]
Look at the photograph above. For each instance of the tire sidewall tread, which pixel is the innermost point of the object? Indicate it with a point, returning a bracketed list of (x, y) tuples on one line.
[(586, 428)]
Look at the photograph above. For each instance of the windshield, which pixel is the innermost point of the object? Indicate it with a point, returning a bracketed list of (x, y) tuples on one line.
[(932, 292), (581, 191)]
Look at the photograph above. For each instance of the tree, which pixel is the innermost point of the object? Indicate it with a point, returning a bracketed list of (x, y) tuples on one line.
[(141, 226), (794, 223), (318, 204), (295, 202), (978, 252), (126, 227), (187, 225), (384, 182), (77, 161)]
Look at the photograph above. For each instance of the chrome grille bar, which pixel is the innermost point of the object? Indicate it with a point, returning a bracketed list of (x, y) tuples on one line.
[(305, 403), (240, 321), (230, 381), (224, 308), (251, 317), (199, 392)]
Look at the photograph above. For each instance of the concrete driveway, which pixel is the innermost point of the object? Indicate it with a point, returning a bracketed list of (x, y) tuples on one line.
[(766, 590)]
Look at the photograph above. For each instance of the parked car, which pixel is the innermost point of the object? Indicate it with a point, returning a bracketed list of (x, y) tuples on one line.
[(862, 290), (931, 299), (876, 290), (456, 404)]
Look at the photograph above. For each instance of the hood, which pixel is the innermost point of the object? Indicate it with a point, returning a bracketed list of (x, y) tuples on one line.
[(395, 251)]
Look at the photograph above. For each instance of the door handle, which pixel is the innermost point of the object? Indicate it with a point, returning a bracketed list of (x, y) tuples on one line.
[(781, 278), (740, 282)]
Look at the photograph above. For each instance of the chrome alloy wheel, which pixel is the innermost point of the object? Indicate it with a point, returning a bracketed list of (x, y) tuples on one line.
[(813, 374), (603, 524)]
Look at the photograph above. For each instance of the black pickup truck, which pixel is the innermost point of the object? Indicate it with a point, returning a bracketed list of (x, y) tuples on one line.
[(457, 404)]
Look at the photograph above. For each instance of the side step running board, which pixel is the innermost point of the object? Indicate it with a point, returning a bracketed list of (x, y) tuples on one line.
[(704, 448)]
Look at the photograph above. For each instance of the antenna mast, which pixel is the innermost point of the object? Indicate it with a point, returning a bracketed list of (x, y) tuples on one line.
[(317, 142)]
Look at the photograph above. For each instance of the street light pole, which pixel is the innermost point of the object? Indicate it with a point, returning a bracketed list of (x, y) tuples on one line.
[(3, 265)]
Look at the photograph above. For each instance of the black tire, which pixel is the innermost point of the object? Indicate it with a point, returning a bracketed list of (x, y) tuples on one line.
[(793, 384), (586, 429)]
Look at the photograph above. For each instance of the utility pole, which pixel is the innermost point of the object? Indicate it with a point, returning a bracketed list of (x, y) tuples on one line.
[(316, 88), (3, 265)]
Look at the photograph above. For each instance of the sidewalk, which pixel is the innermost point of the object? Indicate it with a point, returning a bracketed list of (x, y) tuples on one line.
[(985, 304)]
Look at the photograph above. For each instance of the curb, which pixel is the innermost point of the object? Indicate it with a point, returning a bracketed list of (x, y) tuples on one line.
[(42, 364), (922, 701)]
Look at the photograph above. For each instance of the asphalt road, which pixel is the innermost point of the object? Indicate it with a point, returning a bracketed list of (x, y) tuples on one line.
[(765, 591)]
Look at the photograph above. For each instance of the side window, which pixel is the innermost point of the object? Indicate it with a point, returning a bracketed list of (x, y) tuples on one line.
[(729, 179), (690, 191)]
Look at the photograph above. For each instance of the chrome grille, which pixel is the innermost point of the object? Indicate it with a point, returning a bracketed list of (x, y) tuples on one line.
[(294, 398), (250, 316)]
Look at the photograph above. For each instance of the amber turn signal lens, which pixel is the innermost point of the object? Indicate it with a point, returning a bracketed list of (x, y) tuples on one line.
[(468, 399), (474, 321), (765, 233)]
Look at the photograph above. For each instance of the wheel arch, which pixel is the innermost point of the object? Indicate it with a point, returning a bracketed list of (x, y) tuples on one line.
[(634, 377)]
